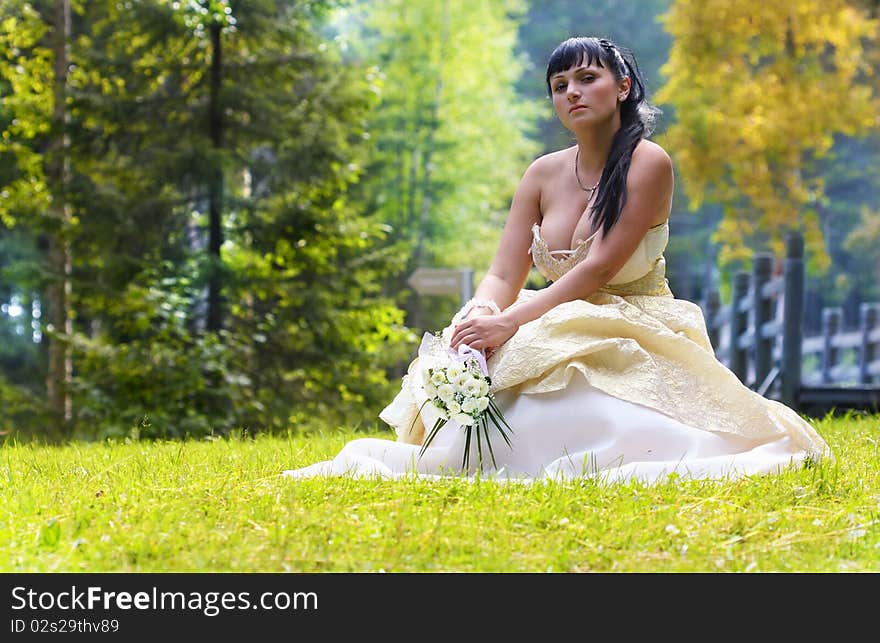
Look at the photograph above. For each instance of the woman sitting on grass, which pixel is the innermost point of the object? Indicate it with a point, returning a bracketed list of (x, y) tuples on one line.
[(603, 372)]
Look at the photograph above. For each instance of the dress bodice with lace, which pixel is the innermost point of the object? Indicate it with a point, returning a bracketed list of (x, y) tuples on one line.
[(644, 273), (644, 259), (622, 384)]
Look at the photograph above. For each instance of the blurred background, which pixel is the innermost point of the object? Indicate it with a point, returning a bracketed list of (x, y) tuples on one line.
[(211, 211)]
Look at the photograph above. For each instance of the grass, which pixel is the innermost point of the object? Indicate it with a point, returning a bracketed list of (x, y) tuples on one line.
[(221, 505)]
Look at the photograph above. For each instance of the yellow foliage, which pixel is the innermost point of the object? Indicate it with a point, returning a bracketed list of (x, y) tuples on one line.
[(758, 89)]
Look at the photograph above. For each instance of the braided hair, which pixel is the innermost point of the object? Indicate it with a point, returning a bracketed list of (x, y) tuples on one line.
[(637, 117)]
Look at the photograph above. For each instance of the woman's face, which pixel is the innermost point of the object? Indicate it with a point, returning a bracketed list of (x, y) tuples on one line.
[(587, 95)]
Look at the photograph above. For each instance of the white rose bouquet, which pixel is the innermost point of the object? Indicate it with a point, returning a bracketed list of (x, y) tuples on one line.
[(458, 385)]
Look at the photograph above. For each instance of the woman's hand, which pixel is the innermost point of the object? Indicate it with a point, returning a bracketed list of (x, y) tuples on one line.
[(484, 332)]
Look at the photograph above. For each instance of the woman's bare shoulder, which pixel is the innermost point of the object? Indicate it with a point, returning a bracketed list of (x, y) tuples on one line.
[(649, 152), (548, 165), (650, 163), (651, 181)]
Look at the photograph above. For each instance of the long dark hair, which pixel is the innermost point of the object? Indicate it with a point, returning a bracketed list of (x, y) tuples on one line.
[(637, 117)]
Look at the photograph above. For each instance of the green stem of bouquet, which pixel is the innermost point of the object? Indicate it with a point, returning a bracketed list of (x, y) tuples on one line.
[(418, 415), (493, 414)]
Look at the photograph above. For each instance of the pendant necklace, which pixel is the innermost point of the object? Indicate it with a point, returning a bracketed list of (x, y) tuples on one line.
[(591, 190)]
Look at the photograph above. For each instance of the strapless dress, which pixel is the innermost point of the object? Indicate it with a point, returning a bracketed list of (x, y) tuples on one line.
[(623, 384)]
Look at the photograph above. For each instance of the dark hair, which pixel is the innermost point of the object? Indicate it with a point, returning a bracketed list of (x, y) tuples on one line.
[(637, 117)]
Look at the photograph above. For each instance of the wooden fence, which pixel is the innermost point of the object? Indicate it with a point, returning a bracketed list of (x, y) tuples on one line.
[(759, 337)]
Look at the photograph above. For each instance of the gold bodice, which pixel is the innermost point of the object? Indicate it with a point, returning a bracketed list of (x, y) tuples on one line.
[(644, 273)]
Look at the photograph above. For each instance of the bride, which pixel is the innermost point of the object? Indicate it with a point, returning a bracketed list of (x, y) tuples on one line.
[(602, 373)]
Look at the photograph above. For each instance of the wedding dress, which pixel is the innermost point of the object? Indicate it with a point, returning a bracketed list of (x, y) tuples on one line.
[(623, 384)]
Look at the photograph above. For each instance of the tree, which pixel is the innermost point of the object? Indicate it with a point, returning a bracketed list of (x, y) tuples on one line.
[(760, 90), (60, 320), (449, 130), (165, 148), (265, 148), (35, 180)]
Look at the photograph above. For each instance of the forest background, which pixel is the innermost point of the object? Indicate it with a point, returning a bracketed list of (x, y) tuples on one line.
[(209, 210)]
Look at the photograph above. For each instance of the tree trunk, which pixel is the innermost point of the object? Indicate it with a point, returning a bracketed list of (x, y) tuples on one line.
[(59, 318), (426, 192), (427, 153), (215, 204)]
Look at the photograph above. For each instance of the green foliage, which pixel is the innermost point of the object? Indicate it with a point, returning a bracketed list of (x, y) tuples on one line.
[(449, 131), (352, 151), (308, 334), (850, 212), (24, 412), (25, 112), (147, 374)]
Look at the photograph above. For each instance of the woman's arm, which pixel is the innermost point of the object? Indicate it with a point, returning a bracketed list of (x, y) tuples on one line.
[(649, 189), (510, 267)]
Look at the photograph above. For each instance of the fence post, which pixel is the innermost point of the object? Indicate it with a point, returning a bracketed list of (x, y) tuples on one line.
[(739, 321), (830, 327), (868, 350), (467, 285), (761, 308), (792, 320), (713, 306)]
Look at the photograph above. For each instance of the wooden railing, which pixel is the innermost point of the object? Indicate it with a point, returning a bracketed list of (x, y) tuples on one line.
[(833, 342), (759, 337)]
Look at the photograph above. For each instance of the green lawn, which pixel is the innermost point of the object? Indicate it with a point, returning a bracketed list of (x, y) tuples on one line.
[(221, 505)]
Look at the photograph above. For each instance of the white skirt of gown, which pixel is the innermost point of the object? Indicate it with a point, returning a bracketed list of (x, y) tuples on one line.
[(578, 431)]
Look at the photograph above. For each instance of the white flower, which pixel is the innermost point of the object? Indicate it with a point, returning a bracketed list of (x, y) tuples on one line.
[(471, 386), (461, 378), (463, 419), (445, 392), (458, 391)]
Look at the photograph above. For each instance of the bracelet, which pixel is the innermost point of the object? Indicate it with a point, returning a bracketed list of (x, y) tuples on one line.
[(483, 303), (476, 303)]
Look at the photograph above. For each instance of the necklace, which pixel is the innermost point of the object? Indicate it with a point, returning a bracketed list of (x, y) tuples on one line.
[(577, 158)]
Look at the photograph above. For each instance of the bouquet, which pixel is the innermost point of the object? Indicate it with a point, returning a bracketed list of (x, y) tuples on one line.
[(457, 383)]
